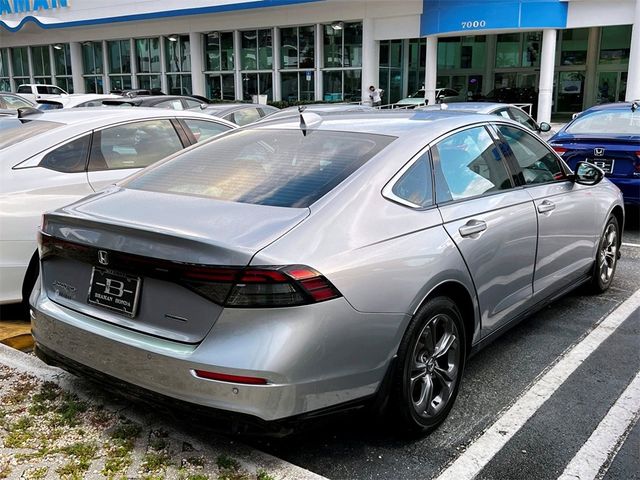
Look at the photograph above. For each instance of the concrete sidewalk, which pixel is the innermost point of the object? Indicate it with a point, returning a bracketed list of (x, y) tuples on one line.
[(55, 425)]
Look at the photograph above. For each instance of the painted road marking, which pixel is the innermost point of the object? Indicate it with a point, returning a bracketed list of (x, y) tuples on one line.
[(480, 452), (607, 439)]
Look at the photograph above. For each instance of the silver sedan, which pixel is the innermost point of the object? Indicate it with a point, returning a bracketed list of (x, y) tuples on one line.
[(292, 268)]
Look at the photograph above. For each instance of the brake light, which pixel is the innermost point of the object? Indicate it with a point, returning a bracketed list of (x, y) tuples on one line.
[(560, 150), (223, 377), (261, 287), (636, 167)]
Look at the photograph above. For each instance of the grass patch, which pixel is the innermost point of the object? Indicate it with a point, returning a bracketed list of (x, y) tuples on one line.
[(19, 392), (153, 461), (262, 475), (225, 462), (118, 457), (69, 410), (36, 473), (229, 469), (41, 401), (19, 433), (158, 443)]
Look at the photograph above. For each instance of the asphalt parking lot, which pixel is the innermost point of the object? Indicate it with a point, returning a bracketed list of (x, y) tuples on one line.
[(358, 446)]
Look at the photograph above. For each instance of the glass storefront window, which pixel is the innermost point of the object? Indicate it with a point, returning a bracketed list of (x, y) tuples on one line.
[(120, 82), (343, 45), (119, 56), (417, 58), (573, 47), (342, 85), (508, 50), (615, 45), (297, 47), (297, 86), (92, 58), (570, 94), (221, 86), (62, 66), (41, 61), (218, 49), (531, 49), (257, 49), (178, 54), (390, 75), (20, 60), (5, 85), (179, 84), (94, 84), (257, 84), (149, 82), (147, 55)]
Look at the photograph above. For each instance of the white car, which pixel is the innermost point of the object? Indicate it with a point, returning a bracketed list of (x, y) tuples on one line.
[(75, 100), (36, 91), (443, 95), (50, 159)]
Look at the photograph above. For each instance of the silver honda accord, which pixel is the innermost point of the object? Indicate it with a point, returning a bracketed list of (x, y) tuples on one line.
[(308, 264)]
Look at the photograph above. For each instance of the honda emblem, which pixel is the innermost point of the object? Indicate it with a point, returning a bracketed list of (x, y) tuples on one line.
[(598, 152), (103, 257)]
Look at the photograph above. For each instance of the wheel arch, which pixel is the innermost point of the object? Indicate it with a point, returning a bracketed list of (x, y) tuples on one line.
[(30, 277), (618, 212)]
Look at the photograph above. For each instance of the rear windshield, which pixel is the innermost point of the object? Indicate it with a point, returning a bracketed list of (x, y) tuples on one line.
[(13, 130), (613, 122), (281, 168)]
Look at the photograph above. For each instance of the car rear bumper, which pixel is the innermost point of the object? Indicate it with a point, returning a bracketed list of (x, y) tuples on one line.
[(630, 188), (167, 368)]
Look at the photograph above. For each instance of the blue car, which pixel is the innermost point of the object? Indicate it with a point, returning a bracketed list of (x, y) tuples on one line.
[(607, 136)]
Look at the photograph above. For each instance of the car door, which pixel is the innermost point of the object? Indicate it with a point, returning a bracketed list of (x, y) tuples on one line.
[(567, 230), (492, 223), (121, 150)]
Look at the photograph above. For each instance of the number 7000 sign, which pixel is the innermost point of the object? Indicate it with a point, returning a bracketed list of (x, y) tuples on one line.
[(474, 24)]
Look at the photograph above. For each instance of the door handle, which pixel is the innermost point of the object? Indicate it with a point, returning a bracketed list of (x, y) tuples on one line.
[(472, 227), (546, 206)]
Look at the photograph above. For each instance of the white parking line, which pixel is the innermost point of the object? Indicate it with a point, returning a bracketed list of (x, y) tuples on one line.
[(637, 245), (607, 439), (480, 452)]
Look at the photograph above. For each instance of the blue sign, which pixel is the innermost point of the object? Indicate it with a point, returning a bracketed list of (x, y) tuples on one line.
[(27, 6), (460, 16)]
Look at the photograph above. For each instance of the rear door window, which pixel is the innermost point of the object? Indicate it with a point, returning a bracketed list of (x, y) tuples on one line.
[(246, 116), (469, 164), (522, 118), (266, 167), (133, 145), (414, 187)]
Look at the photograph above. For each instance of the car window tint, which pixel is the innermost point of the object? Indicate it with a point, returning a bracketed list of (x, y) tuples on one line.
[(246, 116), (13, 102), (203, 129), (171, 104), (90, 103), (539, 165), (192, 103), (502, 113), (611, 122), (24, 89), (134, 145), (415, 185), (266, 167), (521, 117), (68, 158), (470, 164)]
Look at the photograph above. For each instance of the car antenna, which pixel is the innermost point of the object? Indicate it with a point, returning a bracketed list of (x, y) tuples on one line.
[(26, 111), (311, 120)]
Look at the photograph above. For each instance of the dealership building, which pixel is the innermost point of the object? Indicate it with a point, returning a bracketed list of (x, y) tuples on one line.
[(571, 53)]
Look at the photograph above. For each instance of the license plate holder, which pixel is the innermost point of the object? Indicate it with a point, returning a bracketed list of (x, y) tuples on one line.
[(115, 291), (606, 164)]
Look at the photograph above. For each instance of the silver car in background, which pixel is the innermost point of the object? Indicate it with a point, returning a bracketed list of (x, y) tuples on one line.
[(301, 266)]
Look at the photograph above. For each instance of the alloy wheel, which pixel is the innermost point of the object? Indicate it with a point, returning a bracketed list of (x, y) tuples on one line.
[(608, 253)]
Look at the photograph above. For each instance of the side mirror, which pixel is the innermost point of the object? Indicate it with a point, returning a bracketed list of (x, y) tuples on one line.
[(588, 174), (544, 127)]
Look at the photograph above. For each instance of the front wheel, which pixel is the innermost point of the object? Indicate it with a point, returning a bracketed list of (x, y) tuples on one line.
[(606, 258), (431, 359)]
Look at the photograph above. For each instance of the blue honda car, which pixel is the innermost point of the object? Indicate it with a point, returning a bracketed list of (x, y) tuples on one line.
[(607, 136)]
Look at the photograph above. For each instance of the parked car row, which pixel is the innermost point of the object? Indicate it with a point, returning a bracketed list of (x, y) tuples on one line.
[(236, 268)]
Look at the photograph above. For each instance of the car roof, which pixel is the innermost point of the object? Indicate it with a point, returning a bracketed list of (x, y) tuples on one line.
[(228, 107), (408, 124), (477, 107), (611, 106), (77, 121)]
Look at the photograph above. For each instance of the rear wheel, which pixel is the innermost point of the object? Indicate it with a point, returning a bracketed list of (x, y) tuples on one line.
[(431, 359), (607, 257)]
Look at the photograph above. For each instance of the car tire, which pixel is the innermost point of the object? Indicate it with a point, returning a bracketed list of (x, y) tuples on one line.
[(606, 258), (427, 375)]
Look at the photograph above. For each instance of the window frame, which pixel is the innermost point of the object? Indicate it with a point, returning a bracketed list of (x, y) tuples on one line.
[(388, 193), (435, 161), (512, 161)]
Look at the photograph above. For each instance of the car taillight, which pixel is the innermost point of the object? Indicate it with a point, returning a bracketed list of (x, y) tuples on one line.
[(560, 150), (224, 377), (636, 167), (261, 286)]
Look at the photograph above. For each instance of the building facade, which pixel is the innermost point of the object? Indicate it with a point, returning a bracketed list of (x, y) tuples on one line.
[(570, 54)]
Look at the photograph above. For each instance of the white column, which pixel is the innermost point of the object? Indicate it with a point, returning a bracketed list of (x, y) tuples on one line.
[(370, 57), (275, 91), (197, 63), (52, 63), (547, 69), (237, 46), (431, 70), (633, 80), (30, 61), (134, 64), (77, 67), (318, 61), (164, 81), (105, 68), (12, 84)]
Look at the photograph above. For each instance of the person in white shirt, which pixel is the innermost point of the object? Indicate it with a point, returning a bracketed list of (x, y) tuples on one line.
[(375, 96)]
